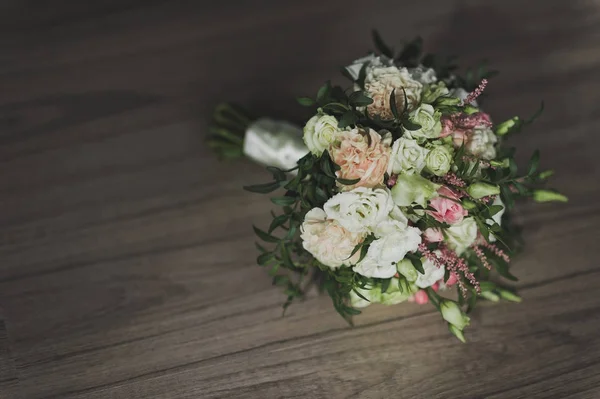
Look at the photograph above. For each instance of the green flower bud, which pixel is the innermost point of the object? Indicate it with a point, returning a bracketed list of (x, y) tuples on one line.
[(448, 101), (406, 268), (395, 295), (546, 174), (439, 160), (457, 333), (548, 196), (469, 109), (480, 190), (509, 295), (490, 296), (413, 189), (452, 313), (373, 295), (506, 126), (468, 204), (504, 164)]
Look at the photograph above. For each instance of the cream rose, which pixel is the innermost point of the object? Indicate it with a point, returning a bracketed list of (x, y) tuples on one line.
[(407, 157), (429, 120), (380, 82), (327, 240), (462, 235), (319, 132), (361, 154), (361, 209), (482, 142), (394, 241)]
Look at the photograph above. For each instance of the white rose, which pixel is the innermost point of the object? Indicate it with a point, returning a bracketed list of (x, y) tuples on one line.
[(319, 132), (407, 157), (429, 119), (327, 241), (482, 143), (432, 273), (423, 75), (380, 82), (439, 160), (394, 241), (361, 209), (462, 235)]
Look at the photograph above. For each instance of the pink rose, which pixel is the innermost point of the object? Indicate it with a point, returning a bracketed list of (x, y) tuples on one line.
[(451, 280), (447, 207), (421, 297), (433, 235), (461, 126), (361, 154)]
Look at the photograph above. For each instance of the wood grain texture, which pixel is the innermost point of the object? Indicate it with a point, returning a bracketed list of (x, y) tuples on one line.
[(126, 253)]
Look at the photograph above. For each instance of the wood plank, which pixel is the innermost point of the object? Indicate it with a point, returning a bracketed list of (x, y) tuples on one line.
[(126, 250)]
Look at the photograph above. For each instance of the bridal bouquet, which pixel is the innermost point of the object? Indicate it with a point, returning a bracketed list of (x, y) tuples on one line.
[(398, 192)]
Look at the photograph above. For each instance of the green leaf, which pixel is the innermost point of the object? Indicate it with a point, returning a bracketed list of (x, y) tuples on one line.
[(280, 280), (264, 235), (360, 295), (502, 269), (323, 93), (263, 188), (265, 258), (348, 182), (416, 262), (385, 284), (284, 201), (285, 256), (347, 119), (533, 163), (278, 221), (305, 101), (408, 125), (359, 99), (381, 46), (393, 105), (494, 209), (326, 166)]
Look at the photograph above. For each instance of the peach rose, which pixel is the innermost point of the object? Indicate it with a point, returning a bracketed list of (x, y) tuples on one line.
[(447, 207), (328, 241), (361, 154)]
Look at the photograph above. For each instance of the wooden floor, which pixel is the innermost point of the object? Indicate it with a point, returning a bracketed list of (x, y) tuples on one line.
[(126, 252)]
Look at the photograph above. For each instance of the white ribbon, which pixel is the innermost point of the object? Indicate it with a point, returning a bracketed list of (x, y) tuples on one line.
[(274, 143)]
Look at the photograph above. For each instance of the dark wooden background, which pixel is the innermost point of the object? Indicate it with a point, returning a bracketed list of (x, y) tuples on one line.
[(126, 253)]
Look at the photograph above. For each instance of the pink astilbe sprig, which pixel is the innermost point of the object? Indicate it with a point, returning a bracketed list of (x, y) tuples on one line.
[(497, 251), (476, 93), (451, 261), (453, 180), (484, 260)]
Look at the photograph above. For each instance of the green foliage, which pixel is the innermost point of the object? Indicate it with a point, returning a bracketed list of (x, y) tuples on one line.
[(227, 130)]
